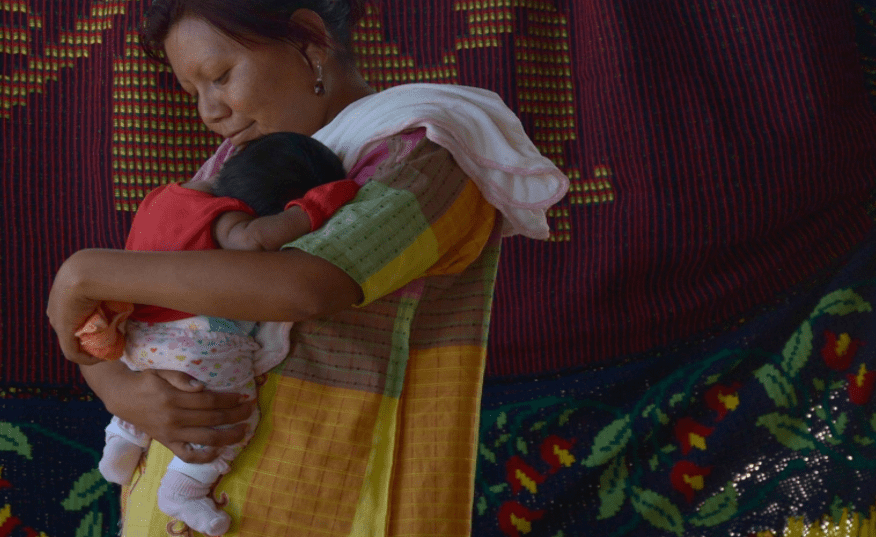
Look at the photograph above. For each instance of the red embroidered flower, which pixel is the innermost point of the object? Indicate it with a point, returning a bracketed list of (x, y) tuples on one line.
[(839, 351), (861, 385), (723, 399), (520, 475), (8, 522), (555, 451), (514, 519), (688, 478), (691, 434)]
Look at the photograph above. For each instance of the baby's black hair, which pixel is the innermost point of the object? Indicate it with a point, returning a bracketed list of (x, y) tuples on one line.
[(269, 172)]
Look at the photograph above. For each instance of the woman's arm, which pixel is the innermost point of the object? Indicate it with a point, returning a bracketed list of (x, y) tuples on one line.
[(288, 285)]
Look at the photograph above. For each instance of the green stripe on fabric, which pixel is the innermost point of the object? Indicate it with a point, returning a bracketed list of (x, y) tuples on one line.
[(401, 351), (359, 241)]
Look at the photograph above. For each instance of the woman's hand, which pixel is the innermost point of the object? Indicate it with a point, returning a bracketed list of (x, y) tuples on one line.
[(68, 308), (171, 407)]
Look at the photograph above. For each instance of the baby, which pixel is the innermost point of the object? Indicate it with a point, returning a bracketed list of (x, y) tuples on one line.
[(244, 207)]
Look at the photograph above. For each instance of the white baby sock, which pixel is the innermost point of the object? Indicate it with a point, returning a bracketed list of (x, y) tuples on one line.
[(188, 500), (120, 459)]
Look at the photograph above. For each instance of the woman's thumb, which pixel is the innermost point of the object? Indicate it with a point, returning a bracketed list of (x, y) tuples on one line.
[(181, 381)]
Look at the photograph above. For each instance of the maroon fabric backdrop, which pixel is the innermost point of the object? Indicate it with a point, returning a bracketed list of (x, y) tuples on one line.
[(753, 130)]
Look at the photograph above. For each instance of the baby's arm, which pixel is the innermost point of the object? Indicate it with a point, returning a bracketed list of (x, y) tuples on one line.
[(237, 230)]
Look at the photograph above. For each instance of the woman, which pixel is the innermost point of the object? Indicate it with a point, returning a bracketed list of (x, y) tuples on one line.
[(369, 426)]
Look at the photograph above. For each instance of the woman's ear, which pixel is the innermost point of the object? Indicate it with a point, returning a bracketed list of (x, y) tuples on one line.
[(315, 51)]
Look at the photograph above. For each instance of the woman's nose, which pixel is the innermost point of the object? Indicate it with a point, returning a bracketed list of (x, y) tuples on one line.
[(211, 108)]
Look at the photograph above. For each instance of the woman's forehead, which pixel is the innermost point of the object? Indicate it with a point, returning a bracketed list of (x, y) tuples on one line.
[(193, 41)]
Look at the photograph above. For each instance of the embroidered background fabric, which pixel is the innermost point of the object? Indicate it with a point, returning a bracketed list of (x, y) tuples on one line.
[(587, 429)]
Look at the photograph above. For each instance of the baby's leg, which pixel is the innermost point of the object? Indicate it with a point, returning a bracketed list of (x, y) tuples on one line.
[(185, 489), (223, 362), (184, 494), (122, 452)]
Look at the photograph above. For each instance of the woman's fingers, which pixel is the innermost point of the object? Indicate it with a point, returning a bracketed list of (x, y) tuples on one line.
[(151, 401), (202, 444), (188, 453), (73, 352), (181, 381), (210, 418)]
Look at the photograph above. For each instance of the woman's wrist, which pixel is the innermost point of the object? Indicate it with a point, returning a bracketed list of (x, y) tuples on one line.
[(106, 380)]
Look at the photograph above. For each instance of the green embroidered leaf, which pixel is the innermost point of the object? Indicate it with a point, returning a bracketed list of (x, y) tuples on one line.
[(862, 440), (496, 489), (820, 412), (657, 510), (89, 487), (486, 453), (717, 509), (841, 302), (838, 385), (797, 350), (777, 386), (675, 399), (662, 417), (12, 439), (841, 422), (501, 419), (501, 440), (482, 505), (564, 417), (647, 410), (818, 384), (91, 525), (537, 426), (609, 442), (668, 448), (831, 440), (522, 447), (713, 379), (836, 508), (873, 421), (612, 484), (789, 431), (654, 462)]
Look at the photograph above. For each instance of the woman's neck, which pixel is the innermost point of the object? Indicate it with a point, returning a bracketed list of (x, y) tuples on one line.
[(346, 89)]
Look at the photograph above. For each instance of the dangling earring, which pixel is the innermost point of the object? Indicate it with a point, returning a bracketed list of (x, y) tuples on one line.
[(319, 87)]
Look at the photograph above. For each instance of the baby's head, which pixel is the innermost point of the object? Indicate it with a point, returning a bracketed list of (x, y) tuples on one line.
[(269, 172)]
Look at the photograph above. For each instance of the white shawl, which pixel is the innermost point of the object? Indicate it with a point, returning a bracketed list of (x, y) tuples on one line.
[(484, 136)]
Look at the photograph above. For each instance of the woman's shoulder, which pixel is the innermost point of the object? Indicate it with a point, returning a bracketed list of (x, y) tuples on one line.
[(386, 157)]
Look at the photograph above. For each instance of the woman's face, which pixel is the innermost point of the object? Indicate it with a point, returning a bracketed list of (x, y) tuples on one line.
[(244, 92)]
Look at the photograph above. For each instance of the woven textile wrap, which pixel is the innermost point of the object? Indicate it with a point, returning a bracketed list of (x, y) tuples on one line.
[(720, 157), (370, 424)]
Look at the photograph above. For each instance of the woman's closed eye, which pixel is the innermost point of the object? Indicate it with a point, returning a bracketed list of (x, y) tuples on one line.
[(223, 78)]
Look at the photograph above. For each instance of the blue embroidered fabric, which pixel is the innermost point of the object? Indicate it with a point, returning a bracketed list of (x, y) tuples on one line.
[(769, 426)]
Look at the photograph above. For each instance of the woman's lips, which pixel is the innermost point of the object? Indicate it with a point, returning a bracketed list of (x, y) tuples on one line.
[(238, 138)]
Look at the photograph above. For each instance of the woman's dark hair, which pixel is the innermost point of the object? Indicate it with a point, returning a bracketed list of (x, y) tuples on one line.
[(248, 21), (272, 170)]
